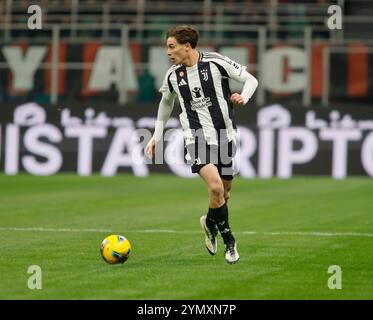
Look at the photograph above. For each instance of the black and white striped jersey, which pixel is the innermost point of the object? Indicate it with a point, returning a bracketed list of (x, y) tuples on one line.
[(204, 96)]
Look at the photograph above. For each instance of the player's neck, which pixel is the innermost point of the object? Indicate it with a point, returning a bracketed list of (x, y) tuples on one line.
[(192, 59)]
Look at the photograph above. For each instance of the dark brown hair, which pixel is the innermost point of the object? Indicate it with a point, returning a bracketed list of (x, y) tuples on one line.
[(184, 34)]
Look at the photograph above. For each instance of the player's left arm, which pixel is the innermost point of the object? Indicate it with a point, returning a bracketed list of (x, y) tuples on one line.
[(250, 85)]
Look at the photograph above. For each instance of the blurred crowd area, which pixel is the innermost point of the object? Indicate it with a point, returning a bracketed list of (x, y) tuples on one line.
[(155, 11), (230, 23), (286, 17)]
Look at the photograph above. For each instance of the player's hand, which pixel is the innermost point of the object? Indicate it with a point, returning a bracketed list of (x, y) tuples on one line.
[(237, 99), (150, 148)]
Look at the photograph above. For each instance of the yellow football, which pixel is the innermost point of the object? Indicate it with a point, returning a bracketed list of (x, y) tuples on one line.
[(115, 249)]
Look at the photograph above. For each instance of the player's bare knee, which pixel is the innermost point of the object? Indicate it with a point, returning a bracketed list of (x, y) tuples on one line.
[(216, 191)]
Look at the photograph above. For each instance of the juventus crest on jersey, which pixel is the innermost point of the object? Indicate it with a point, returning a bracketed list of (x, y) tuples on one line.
[(204, 96)]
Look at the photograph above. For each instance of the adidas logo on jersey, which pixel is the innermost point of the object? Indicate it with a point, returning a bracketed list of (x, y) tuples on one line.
[(182, 83)]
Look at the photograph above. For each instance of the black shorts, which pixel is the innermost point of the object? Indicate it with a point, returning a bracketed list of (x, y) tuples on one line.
[(221, 156)]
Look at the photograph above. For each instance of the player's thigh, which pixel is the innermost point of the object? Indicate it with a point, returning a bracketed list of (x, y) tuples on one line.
[(210, 175)]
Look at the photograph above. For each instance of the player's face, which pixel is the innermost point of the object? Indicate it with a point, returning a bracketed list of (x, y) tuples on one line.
[(176, 51)]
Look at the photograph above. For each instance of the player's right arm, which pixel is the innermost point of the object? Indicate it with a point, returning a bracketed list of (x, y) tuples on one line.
[(166, 106), (233, 70), (164, 111)]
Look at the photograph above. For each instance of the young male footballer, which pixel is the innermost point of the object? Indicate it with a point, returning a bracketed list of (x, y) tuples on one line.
[(200, 81)]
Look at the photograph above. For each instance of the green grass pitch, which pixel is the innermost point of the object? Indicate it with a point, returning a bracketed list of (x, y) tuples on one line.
[(288, 232)]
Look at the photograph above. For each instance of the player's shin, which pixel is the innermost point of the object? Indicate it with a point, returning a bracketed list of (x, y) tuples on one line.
[(219, 216)]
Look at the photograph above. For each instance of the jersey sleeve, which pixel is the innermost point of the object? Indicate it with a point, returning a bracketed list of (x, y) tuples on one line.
[(232, 69), (229, 68), (166, 89)]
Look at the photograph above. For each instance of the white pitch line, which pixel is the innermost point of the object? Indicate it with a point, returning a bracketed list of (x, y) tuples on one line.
[(264, 233), (40, 229), (319, 234)]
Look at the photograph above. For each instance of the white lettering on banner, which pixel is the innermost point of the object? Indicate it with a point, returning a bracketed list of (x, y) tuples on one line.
[(140, 138), (85, 135), (313, 123), (247, 143), (274, 70), (367, 154), (334, 116), (270, 118), (29, 114), (53, 155), (266, 153), (274, 116), (110, 63), (24, 67), (101, 120), (336, 121), (276, 146), (148, 122), (274, 66), (123, 139), (287, 156), (108, 68), (11, 149), (68, 121), (340, 139)]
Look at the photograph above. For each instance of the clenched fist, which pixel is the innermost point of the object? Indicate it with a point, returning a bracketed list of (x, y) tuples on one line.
[(237, 99), (149, 150)]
